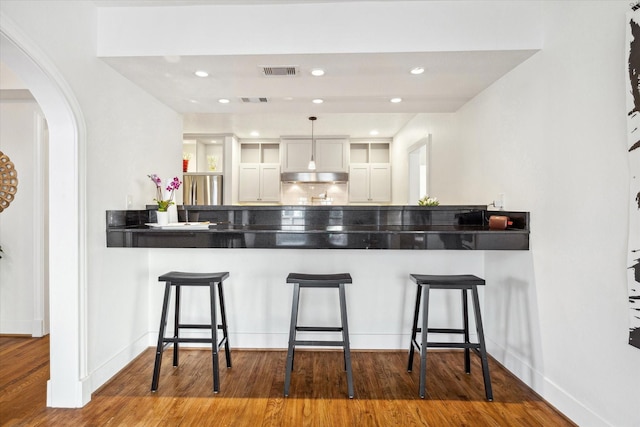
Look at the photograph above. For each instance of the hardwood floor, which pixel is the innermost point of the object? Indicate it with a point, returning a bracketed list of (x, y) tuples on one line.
[(251, 392)]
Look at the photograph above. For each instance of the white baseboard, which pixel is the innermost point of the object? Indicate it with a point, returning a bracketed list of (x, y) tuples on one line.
[(280, 340), (72, 395), (546, 388), (16, 327), (33, 327), (37, 328), (110, 368)]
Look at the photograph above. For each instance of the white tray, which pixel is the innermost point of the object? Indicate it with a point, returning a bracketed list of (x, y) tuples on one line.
[(181, 225)]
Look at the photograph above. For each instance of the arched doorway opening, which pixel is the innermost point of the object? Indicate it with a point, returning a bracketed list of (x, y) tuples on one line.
[(66, 386)]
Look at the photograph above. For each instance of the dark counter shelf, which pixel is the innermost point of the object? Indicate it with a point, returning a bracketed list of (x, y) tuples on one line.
[(325, 227)]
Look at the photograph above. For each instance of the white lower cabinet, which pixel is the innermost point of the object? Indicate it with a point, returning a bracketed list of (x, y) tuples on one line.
[(259, 182), (370, 182)]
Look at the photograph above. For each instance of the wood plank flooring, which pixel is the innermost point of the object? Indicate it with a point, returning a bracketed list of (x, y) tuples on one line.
[(251, 392)]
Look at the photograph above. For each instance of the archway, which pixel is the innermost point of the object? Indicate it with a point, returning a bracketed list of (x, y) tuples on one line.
[(66, 386)]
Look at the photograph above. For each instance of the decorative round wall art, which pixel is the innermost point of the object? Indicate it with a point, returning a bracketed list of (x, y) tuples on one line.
[(8, 181)]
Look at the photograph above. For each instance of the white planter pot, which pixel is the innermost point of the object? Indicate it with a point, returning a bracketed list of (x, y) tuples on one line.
[(163, 218)]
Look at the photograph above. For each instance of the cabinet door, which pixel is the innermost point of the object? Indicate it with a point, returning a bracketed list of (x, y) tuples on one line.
[(270, 182), (359, 183), (249, 183), (379, 182), (296, 155), (331, 155)]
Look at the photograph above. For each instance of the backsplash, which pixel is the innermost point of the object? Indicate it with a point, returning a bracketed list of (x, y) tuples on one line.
[(315, 194)]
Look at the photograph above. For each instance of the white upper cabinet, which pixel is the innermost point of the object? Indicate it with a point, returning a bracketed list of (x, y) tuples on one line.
[(370, 183), (259, 172), (259, 182), (359, 183), (331, 154), (370, 173), (296, 154)]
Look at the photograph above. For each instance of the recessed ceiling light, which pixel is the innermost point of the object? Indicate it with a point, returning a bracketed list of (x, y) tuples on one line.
[(373, 132), (193, 101), (417, 70), (255, 133), (223, 101), (318, 101), (317, 72), (201, 73), (288, 98), (396, 100)]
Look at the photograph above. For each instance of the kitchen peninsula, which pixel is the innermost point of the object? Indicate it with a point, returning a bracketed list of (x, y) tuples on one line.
[(323, 227), (260, 245)]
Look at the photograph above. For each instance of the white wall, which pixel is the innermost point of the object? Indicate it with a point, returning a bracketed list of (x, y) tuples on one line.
[(128, 135), (22, 266), (573, 115), (551, 136), (380, 300), (441, 163)]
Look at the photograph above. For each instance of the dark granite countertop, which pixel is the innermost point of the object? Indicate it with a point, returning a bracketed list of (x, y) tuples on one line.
[(324, 227)]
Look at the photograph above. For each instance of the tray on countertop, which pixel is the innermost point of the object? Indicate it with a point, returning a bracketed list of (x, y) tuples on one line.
[(181, 225)]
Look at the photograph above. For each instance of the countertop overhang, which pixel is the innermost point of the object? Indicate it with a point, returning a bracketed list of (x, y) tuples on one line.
[(324, 227)]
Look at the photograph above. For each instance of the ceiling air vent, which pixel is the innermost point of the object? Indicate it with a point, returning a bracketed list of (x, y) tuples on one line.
[(284, 70), (254, 100)]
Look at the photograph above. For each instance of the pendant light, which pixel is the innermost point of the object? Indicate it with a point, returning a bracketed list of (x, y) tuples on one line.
[(312, 162)]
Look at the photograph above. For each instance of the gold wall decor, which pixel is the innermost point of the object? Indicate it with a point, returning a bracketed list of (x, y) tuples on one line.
[(8, 181)]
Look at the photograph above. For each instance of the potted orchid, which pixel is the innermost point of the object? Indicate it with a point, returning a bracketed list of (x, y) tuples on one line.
[(164, 200)]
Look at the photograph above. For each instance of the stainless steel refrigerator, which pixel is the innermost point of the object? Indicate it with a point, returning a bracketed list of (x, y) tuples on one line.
[(202, 188)]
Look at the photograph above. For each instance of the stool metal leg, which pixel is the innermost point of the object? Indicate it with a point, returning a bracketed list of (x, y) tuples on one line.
[(214, 338), (292, 337), (423, 340), (414, 328), (483, 348), (465, 325), (345, 339), (163, 322), (225, 333), (176, 327)]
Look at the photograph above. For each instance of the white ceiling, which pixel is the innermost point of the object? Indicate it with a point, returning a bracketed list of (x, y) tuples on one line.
[(356, 88)]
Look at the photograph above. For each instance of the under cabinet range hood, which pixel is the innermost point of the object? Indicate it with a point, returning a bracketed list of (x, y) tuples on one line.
[(313, 177)]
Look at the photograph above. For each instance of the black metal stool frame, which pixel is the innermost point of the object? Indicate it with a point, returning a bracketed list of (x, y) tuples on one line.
[(464, 283), (319, 281), (177, 280)]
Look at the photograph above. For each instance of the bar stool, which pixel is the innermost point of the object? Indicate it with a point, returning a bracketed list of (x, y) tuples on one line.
[(318, 281), (464, 283), (178, 279)]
